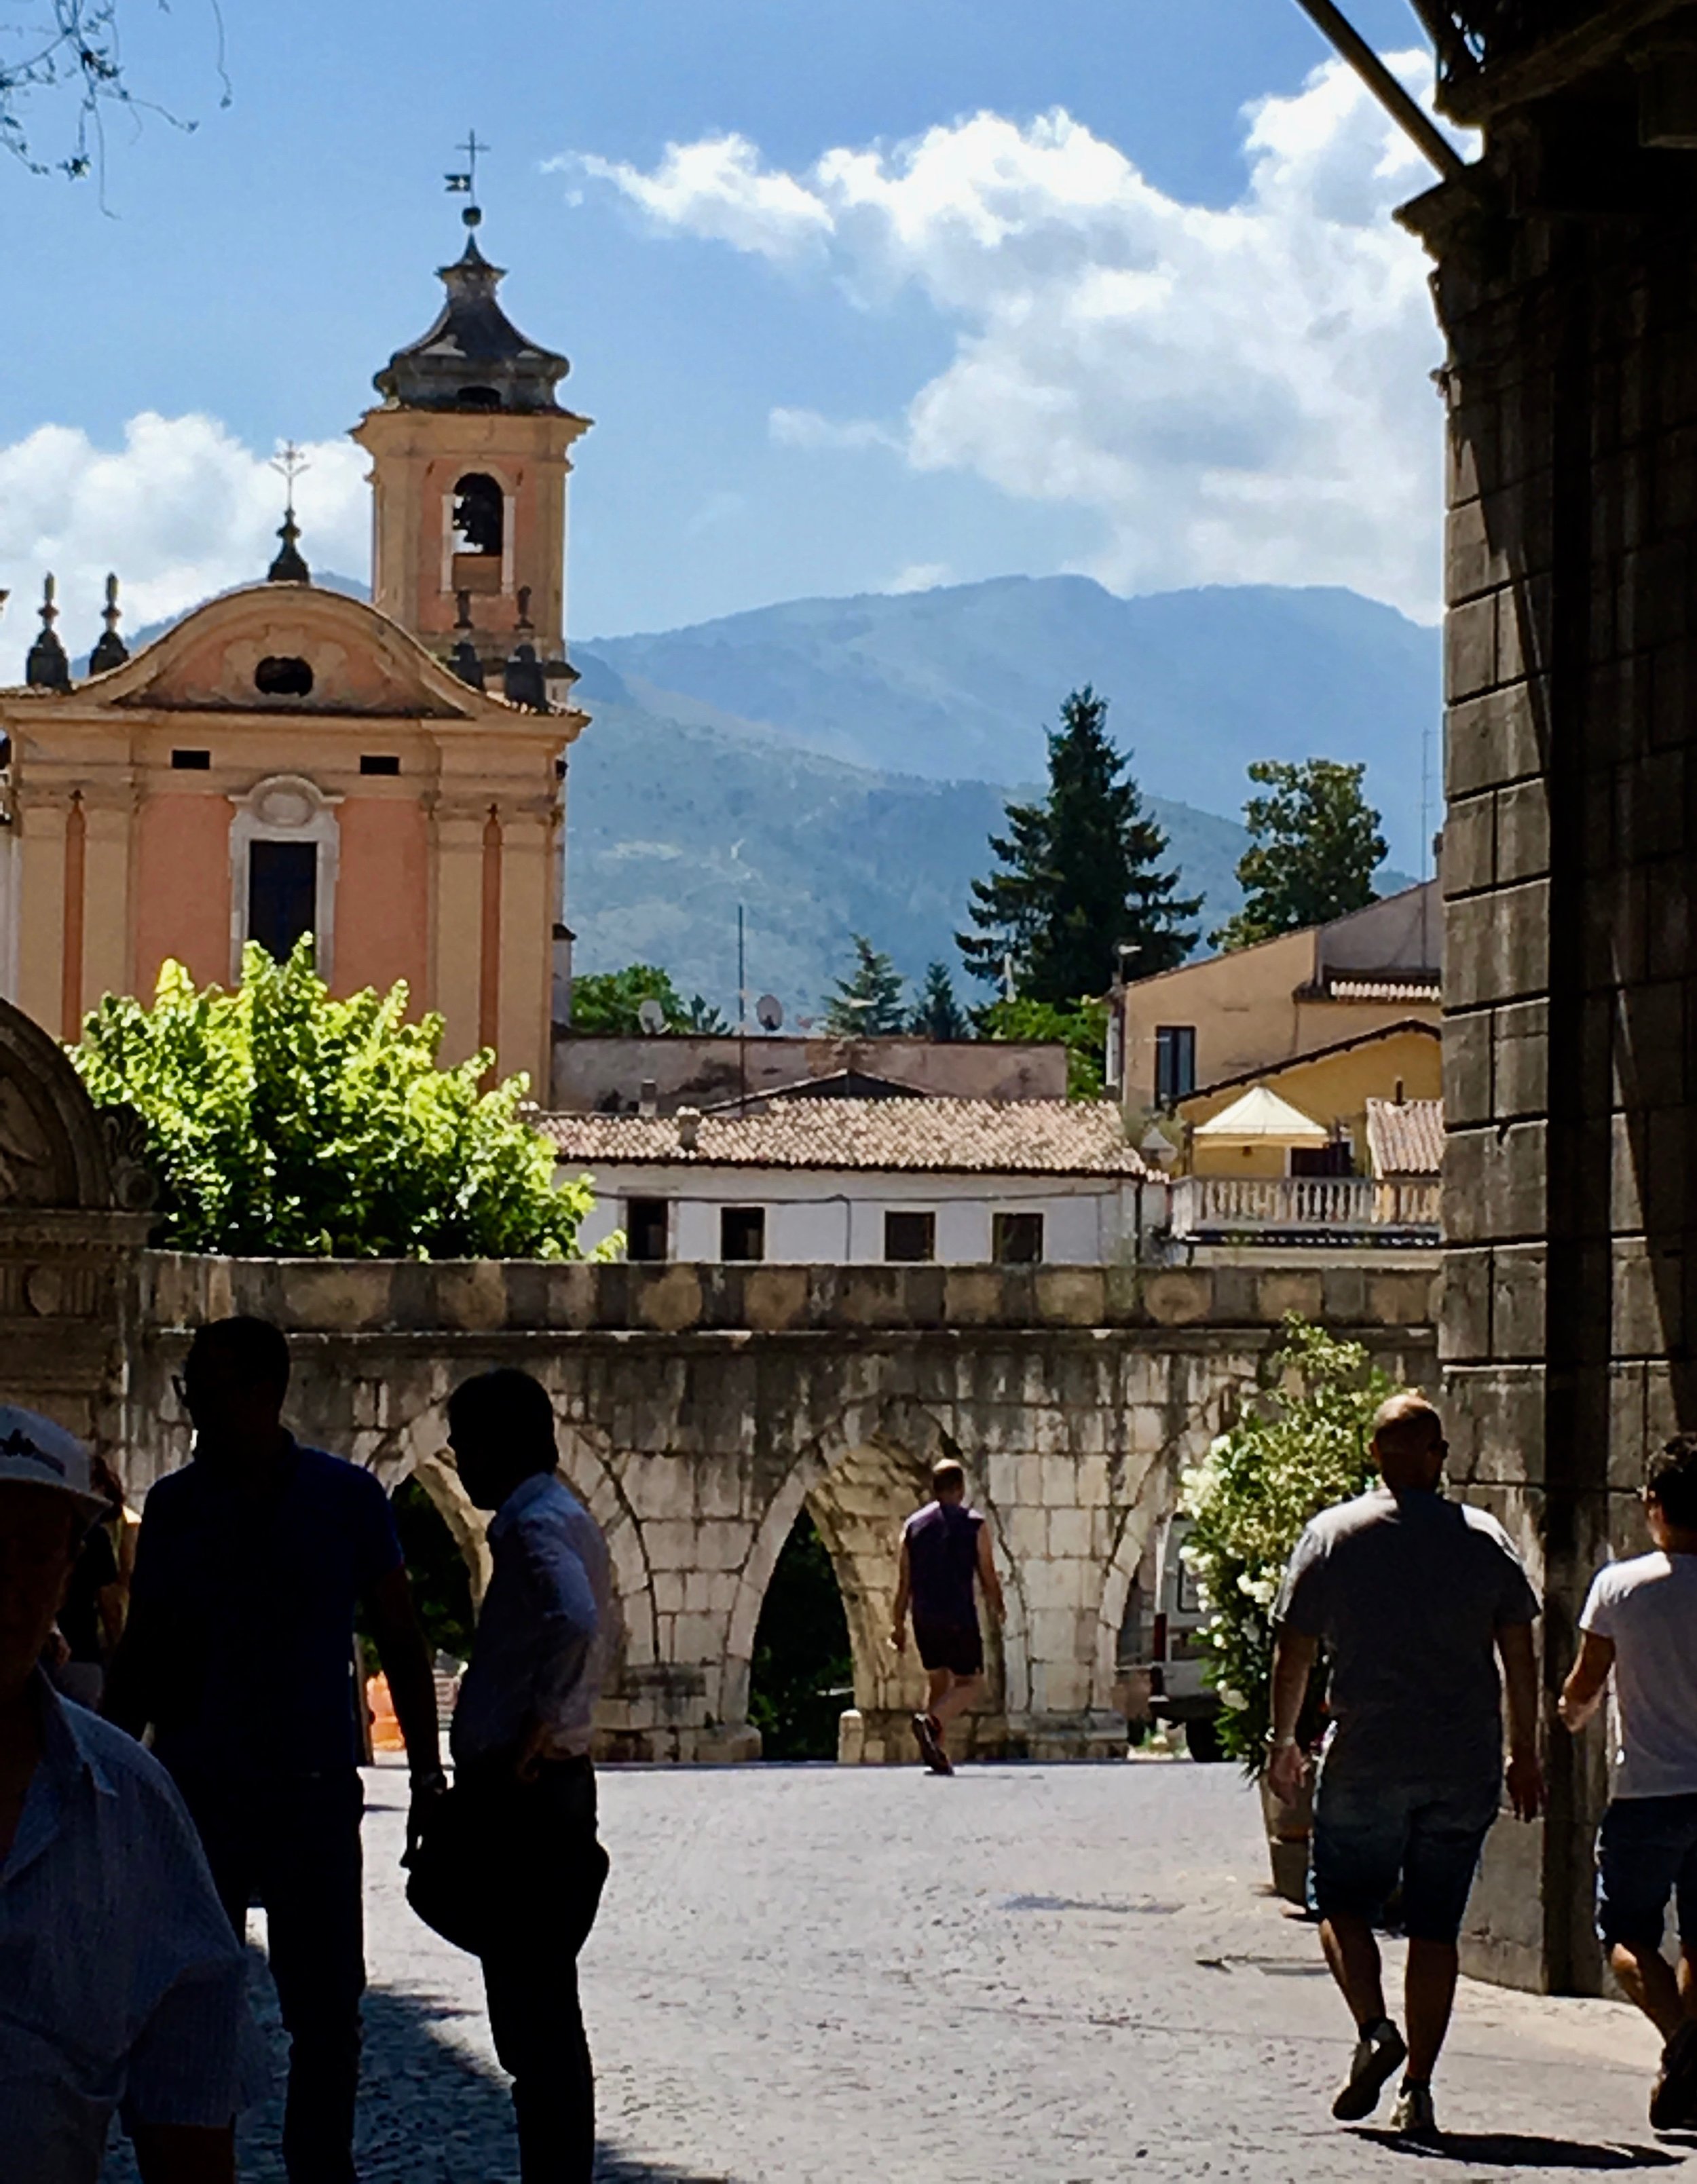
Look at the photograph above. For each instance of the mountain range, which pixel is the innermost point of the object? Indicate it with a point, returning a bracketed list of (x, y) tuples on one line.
[(837, 765)]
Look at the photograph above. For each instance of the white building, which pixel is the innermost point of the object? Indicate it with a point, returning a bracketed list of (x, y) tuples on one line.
[(814, 1181)]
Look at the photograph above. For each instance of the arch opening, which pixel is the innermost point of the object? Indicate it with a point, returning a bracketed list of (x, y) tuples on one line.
[(479, 516), (437, 1565), (800, 1677)]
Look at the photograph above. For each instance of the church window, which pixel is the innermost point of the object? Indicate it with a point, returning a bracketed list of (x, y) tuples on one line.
[(283, 894), (479, 398), (191, 761), (479, 516), (285, 678), (379, 762)]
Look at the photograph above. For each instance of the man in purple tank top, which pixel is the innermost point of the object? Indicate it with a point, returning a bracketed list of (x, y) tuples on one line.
[(945, 1557)]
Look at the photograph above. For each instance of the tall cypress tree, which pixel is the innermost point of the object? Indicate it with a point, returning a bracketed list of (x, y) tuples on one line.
[(1081, 877)]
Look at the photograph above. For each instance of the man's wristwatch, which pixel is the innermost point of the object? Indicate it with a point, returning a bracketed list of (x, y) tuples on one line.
[(1275, 1743)]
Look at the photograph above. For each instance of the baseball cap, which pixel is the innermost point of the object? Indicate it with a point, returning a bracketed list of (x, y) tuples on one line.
[(34, 1451)]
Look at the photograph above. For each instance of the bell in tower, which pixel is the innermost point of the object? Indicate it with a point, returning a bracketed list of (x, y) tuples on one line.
[(469, 450)]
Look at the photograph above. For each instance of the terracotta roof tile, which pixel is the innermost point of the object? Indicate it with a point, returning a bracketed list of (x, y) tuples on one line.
[(1405, 1137), (982, 1137)]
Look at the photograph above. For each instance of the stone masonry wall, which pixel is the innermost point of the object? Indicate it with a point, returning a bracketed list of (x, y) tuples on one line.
[(701, 1407), (1570, 1019)]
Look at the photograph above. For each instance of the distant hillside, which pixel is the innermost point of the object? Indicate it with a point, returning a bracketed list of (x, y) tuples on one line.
[(672, 824), (961, 683)]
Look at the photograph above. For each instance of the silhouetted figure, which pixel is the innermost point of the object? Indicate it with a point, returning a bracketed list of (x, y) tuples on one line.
[(1416, 1597), (1640, 1625), (120, 1975), (520, 1744), (91, 1620), (946, 1558), (239, 1651)]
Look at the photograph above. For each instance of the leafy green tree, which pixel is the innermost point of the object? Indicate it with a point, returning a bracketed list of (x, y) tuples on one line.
[(1080, 878), (1314, 847), (283, 1123), (1081, 1029), (609, 1000), (938, 1014), (1300, 1445), (868, 1003)]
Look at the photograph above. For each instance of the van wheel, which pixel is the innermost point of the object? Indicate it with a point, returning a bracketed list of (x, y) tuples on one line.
[(1201, 1740)]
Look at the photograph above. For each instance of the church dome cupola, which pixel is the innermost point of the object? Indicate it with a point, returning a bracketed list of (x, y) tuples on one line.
[(473, 357)]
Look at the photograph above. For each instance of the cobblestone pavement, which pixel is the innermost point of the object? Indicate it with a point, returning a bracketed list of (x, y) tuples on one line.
[(1056, 1975)]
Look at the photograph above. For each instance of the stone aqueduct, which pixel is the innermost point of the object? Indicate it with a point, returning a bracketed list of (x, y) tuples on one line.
[(701, 1408)]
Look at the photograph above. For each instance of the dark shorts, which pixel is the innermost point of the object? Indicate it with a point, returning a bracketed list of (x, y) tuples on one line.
[(958, 1647), (1371, 1837), (1646, 1852)]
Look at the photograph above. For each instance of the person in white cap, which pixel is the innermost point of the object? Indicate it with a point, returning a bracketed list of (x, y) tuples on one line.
[(121, 1982)]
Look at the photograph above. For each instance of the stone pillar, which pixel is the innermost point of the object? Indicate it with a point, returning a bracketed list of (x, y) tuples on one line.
[(1571, 1030)]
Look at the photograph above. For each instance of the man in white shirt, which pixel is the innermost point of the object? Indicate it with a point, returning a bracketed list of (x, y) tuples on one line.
[(121, 1979), (1640, 1622), (521, 1748)]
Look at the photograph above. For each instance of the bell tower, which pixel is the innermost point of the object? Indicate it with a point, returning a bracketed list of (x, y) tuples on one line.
[(469, 450)]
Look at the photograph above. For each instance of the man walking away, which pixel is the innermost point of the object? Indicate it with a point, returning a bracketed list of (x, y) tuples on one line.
[(239, 1649), (120, 1980), (520, 1744), (1413, 1597), (946, 1557), (1641, 1622)]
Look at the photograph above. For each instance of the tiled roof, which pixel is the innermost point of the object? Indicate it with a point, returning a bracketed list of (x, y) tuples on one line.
[(1405, 1137), (978, 1137)]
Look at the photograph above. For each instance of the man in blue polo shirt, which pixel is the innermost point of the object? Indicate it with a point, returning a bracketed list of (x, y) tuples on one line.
[(251, 1564)]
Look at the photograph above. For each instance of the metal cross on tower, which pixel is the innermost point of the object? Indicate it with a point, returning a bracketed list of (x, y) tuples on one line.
[(464, 181), (288, 463)]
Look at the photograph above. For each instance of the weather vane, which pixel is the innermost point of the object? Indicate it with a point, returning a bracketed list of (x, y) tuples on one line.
[(464, 182)]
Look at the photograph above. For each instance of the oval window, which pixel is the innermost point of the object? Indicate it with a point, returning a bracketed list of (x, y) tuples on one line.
[(287, 677)]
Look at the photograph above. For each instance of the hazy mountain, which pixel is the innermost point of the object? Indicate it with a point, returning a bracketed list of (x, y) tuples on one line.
[(961, 683), (672, 824)]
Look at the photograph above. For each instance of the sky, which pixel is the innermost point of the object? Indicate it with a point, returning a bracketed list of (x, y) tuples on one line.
[(860, 298)]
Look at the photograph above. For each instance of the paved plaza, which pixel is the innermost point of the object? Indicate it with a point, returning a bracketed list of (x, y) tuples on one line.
[(1056, 1975)]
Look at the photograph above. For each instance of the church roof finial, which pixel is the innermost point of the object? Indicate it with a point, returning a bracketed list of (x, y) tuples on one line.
[(290, 565), (109, 648), (46, 667)]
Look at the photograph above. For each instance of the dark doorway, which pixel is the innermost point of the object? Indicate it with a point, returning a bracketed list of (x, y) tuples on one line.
[(647, 1227), (283, 894), (803, 1671)]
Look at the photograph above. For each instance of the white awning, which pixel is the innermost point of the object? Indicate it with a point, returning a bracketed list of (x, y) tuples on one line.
[(1261, 1118)]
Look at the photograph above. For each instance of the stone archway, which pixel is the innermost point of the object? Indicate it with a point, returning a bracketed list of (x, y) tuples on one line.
[(74, 1194)]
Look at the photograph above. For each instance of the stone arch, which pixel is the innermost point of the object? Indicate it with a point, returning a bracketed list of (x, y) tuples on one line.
[(56, 1148)]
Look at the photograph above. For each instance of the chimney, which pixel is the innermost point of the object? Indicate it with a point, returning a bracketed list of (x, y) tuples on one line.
[(688, 1128), (648, 1099)]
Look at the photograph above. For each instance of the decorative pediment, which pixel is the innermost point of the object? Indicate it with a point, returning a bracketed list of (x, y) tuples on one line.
[(56, 1149), (287, 648)]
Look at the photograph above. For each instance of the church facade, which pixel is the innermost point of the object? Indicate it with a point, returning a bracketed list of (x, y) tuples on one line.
[(286, 760)]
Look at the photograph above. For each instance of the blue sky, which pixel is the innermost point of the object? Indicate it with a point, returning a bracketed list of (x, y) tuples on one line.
[(802, 344)]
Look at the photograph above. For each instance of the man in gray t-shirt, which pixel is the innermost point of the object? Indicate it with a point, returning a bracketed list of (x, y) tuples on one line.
[(1414, 1597)]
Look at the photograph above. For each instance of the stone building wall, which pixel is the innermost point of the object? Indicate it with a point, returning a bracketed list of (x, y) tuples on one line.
[(1570, 1027), (702, 1407)]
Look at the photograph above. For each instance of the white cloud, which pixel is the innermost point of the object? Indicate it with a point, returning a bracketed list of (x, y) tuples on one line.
[(920, 577), (807, 428), (182, 510), (1240, 395)]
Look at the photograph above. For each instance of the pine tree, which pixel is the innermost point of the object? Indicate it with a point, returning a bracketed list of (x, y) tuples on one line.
[(1081, 882), (1315, 844), (869, 1003), (938, 1014)]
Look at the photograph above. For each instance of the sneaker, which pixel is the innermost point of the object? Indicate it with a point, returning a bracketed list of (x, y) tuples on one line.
[(1378, 2055), (929, 1734), (1674, 2095), (1415, 2117)]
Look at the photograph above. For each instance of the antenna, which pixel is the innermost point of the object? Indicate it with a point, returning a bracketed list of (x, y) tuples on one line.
[(769, 1010), (651, 1016)]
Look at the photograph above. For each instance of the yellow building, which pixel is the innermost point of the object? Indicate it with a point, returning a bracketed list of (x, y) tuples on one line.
[(1232, 1017), (286, 760), (1310, 1116)]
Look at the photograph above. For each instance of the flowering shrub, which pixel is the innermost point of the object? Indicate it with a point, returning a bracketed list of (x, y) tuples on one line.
[(1300, 1445)]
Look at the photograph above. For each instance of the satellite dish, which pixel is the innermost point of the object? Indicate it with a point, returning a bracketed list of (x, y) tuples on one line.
[(651, 1016), (770, 1011)]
